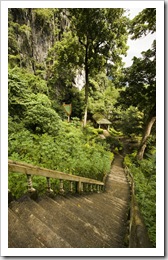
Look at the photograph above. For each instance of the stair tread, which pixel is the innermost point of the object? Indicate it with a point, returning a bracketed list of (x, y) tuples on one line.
[(39, 229), (19, 233), (75, 221), (99, 221)]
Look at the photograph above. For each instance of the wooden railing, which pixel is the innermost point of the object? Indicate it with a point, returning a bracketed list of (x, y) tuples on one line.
[(138, 235), (81, 182)]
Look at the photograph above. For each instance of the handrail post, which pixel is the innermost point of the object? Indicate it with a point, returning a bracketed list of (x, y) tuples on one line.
[(29, 181), (49, 185), (61, 190)]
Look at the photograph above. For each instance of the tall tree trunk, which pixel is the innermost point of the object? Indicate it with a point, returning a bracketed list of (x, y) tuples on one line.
[(86, 86), (151, 120)]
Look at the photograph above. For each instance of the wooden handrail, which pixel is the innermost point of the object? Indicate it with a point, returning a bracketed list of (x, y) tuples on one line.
[(25, 168), (28, 169), (138, 235)]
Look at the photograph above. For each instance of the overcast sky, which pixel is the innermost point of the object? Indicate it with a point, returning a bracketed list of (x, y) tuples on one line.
[(139, 45)]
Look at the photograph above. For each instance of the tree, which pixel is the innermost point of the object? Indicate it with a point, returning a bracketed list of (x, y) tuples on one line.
[(141, 77), (62, 64), (102, 35), (103, 96), (141, 92), (143, 23)]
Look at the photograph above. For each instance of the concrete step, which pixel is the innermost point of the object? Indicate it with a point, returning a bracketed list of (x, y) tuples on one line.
[(55, 217), (37, 227), (99, 216), (86, 235), (19, 235)]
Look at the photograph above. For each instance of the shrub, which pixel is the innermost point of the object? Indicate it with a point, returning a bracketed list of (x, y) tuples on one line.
[(144, 174), (115, 144), (72, 150)]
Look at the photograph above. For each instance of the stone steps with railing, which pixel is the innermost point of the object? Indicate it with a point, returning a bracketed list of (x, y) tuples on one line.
[(86, 219)]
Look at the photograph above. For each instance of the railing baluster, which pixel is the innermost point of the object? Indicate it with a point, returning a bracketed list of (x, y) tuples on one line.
[(81, 186), (86, 187), (61, 190), (71, 186), (49, 185), (91, 187), (77, 183), (98, 190), (29, 181)]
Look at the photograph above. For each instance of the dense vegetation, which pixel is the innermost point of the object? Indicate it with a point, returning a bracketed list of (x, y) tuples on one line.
[(144, 174), (48, 49)]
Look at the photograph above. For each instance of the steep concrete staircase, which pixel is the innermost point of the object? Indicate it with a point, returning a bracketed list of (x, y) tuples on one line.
[(92, 220)]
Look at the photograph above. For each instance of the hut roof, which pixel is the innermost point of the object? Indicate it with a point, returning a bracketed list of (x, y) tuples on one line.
[(103, 121)]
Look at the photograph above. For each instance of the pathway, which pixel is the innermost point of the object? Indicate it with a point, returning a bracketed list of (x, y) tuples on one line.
[(74, 221)]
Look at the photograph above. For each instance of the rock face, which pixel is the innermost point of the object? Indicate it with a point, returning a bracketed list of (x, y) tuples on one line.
[(32, 32), (94, 220), (80, 79)]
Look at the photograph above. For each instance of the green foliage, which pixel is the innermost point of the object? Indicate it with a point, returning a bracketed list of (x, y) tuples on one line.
[(115, 144), (53, 45), (72, 150), (28, 103), (100, 131), (144, 174), (143, 23), (102, 95), (115, 133), (141, 80), (140, 92), (17, 183), (96, 30), (131, 121), (40, 117)]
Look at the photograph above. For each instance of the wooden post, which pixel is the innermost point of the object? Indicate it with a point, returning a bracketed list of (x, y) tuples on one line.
[(30, 186), (49, 185), (61, 190)]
